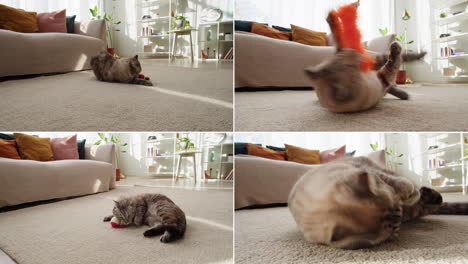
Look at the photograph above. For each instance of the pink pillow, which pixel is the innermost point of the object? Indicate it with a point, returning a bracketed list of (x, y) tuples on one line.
[(52, 22), (332, 154), (64, 148)]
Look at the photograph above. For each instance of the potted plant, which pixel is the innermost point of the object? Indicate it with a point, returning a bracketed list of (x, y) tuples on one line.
[(181, 22), (185, 144), (110, 26), (391, 154), (402, 74), (119, 148)]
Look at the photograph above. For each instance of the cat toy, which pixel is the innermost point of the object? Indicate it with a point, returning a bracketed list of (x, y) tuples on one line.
[(115, 223), (348, 34)]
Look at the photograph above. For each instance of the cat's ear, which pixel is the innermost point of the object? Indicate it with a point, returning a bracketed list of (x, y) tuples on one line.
[(363, 184), (116, 202), (136, 57)]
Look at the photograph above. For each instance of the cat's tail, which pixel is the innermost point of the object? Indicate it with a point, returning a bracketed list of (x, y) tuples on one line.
[(405, 57), (453, 209)]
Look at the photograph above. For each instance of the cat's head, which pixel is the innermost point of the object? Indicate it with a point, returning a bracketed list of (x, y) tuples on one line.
[(135, 65), (124, 211), (343, 206)]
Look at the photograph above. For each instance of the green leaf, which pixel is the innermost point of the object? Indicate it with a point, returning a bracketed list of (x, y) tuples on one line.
[(101, 135), (119, 22), (117, 29), (124, 145), (411, 42), (98, 142), (399, 156), (124, 151)]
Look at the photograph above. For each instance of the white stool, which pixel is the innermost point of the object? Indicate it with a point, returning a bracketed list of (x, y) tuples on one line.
[(187, 154), (178, 33)]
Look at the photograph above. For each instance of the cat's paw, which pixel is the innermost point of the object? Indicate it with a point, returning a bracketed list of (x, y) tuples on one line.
[(107, 218), (166, 238), (392, 221), (395, 49)]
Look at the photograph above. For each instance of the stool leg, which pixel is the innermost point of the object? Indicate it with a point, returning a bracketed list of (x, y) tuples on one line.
[(194, 169), (191, 47), (174, 46), (178, 167)]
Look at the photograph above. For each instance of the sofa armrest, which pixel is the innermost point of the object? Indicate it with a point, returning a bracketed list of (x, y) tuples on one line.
[(380, 44), (105, 153), (92, 28)]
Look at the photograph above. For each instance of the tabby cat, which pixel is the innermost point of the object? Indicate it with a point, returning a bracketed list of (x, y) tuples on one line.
[(342, 87), (107, 68), (155, 210), (355, 203)]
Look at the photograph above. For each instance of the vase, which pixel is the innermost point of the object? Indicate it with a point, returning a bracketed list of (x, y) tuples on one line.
[(401, 77), (183, 145), (117, 174)]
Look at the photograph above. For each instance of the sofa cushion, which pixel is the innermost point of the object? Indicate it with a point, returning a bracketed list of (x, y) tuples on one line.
[(267, 153), (282, 28), (241, 149), (7, 136), (17, 20), (81, 148), (34, 148), (52, 22), (8, 149), (64, 148), (70, 21), (332, 154), (276, 148), (302, 155), (246, 26), (308, 37), (270, 32)]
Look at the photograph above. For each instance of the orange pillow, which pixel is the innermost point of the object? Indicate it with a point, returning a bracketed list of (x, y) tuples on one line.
[(8, 149), (18, 20), (265, 152), (270, 32), (302, 155), (34, 148), (308, 37)]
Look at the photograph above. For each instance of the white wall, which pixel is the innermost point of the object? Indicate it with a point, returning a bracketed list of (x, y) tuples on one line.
[(125, 11)]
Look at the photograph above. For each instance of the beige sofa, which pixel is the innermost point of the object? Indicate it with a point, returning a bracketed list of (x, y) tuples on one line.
[(267, 62), (36, 53), (23, 181)]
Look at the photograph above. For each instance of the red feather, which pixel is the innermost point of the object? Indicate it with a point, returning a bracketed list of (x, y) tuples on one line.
[(350, 35)]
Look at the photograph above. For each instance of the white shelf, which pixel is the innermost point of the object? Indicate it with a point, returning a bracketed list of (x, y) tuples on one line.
[(437, 150), (463, 56), (445, 167), (159, 140), (216, 22), (452, 19), (149, 20), (451, 38), (160, 157)]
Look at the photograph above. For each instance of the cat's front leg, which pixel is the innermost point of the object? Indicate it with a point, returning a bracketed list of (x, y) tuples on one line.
[(107, 218), (141, 82), (392, 221), (139, 215)]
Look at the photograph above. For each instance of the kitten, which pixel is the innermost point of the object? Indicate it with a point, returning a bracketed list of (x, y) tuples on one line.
[(155, 210), (106, 68), (350, 203), (342, 87)]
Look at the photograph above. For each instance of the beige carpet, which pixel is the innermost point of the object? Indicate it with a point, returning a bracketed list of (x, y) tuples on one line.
[(430, 109), (271, 236), (183, 99), (72, 231)]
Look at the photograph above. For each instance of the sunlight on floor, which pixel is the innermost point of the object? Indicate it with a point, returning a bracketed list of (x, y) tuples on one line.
[(210, 223)]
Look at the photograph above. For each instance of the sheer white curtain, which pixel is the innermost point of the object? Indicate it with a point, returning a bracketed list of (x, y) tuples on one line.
[(373, 14), (316, 140), (74, 7)]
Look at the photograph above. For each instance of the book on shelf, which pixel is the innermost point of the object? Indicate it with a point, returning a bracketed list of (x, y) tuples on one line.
[(229, 54)]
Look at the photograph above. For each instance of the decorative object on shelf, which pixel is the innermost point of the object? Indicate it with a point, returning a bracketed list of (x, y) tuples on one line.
[(443, 15), (185, 144), (211, 14), (146, 17), (152, 138), (111, 24), (393, 156), (214, 138), (228, 37), (444, 35), (449, 71), (119, 148), (147, 48)]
